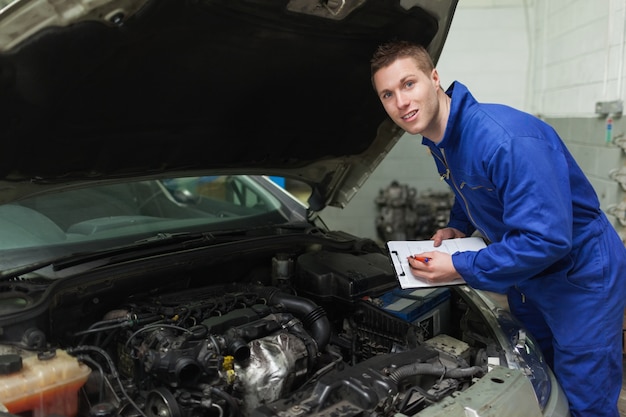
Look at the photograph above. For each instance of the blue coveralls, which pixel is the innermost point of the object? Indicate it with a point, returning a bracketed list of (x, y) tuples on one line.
[(552, 250)]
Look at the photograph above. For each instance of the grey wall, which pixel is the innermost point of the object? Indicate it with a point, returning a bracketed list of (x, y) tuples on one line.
[(586, 138)]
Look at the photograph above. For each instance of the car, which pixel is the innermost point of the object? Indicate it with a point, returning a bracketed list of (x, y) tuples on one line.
[(150, 264)]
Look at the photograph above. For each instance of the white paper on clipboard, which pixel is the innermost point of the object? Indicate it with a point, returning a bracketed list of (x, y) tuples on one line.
[(400, 250)]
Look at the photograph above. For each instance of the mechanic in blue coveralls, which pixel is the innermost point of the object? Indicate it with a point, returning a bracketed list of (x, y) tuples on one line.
[(551, 249)]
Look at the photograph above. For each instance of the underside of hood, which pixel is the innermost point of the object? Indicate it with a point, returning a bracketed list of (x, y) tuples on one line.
[(94, 91)]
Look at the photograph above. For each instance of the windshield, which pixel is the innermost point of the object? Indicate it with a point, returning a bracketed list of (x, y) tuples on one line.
[(113, 214)]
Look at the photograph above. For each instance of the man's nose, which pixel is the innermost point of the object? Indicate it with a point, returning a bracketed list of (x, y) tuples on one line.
[(401, 100)]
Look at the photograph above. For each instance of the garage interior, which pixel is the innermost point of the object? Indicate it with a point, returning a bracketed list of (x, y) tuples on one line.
[(563, 61)]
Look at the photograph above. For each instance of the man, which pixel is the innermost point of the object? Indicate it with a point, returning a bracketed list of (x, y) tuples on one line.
[(552, 250)]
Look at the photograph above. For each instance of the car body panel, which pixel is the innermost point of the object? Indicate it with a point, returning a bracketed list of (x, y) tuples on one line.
[(504, 393), (117, 89)]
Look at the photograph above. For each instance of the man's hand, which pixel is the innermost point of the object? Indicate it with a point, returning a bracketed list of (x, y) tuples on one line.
[(434, 268), (446, 233)]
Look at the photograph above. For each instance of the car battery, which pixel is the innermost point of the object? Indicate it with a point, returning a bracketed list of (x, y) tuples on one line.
[(428, 308)]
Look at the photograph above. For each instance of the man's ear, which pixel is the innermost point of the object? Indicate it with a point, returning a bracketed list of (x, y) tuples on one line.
[(434, 75)]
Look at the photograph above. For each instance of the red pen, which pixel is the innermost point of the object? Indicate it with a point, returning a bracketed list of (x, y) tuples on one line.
[(421, 258)]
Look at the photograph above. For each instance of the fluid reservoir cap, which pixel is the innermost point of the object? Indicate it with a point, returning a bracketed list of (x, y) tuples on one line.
[(46, 355), (10, 363), (102, 410)]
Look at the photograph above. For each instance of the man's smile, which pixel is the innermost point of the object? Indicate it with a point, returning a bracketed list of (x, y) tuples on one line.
[(409, 115)]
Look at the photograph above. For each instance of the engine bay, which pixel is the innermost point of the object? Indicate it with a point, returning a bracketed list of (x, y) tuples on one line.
[(322, 333)]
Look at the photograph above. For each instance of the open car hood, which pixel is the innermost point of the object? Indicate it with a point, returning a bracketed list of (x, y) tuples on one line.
[(111, 89)]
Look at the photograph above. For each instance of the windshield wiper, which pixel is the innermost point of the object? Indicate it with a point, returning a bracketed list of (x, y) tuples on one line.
[(161, 241), (77, 258), (24, 269)]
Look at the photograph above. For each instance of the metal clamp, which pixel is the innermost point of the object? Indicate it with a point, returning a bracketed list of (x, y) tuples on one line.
[(619, 175), (620, 140), (619, 211)]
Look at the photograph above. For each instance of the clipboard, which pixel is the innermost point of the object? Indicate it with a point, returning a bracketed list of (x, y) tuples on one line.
[(400, 250)]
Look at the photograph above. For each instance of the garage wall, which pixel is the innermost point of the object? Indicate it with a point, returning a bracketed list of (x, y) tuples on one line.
[(577, 61), (578, 55), (553, 58)]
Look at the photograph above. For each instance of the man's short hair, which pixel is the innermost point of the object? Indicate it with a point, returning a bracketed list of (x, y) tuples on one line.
[(386, 54)]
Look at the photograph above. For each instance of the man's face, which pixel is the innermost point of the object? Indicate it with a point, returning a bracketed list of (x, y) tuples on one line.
[(409, 96)]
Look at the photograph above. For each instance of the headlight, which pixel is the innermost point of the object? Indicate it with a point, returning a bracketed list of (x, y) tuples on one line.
[(521, 350), (523, 353)]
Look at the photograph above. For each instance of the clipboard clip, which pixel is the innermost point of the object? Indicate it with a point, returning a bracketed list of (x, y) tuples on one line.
[(401, 274)]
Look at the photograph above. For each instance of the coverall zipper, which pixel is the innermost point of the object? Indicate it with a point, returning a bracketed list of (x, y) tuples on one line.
[(448, 175)]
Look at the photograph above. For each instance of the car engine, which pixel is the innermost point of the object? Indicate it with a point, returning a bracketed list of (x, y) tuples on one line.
[(323, 333)]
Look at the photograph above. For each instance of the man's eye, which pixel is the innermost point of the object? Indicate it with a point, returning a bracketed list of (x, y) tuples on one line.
[(386, 95), (409, 84)]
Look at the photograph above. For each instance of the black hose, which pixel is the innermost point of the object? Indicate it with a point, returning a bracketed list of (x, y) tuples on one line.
[(232, 403), (435, 369), (112, 369), (313, 316), (94, 364)]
